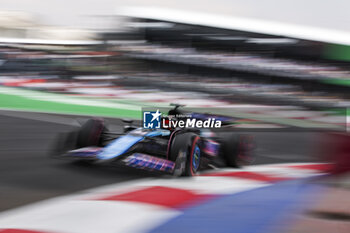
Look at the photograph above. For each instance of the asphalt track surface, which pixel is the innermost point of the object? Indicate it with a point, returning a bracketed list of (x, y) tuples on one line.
[(28, 174)]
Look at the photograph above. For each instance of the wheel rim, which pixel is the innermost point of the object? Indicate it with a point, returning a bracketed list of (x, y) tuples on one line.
[(196, 158)]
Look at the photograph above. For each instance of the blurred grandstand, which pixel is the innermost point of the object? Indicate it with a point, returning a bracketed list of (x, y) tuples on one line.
[(167, 53)]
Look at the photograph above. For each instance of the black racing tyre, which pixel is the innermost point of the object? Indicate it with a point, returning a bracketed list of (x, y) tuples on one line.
[(230, 149), (185, 151), (91, 133)]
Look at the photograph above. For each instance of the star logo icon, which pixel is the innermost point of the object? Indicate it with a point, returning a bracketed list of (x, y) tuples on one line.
[(155, 115), (152, 119)]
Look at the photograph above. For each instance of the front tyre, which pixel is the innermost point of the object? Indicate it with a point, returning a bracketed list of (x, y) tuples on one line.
[(186, 152)]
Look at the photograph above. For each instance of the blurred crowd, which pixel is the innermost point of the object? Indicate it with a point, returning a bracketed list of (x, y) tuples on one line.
[(157, 67)]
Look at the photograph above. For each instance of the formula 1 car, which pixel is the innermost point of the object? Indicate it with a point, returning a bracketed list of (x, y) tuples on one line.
[(178, 151)]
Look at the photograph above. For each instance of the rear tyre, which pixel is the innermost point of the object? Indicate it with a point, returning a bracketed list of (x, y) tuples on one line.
[(230, 150), (91, 133), (186, 152)]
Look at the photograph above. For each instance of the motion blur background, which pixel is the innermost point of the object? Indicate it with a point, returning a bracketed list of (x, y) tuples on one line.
[(76, 13), (280, 69)]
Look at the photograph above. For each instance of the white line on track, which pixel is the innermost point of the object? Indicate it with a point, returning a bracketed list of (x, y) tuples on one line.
[(46, 117)]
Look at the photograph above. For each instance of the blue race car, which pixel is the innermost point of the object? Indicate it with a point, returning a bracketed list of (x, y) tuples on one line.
[(178, 151)]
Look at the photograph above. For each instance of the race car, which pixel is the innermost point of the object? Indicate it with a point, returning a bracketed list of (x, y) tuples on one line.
[(177, 151)]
